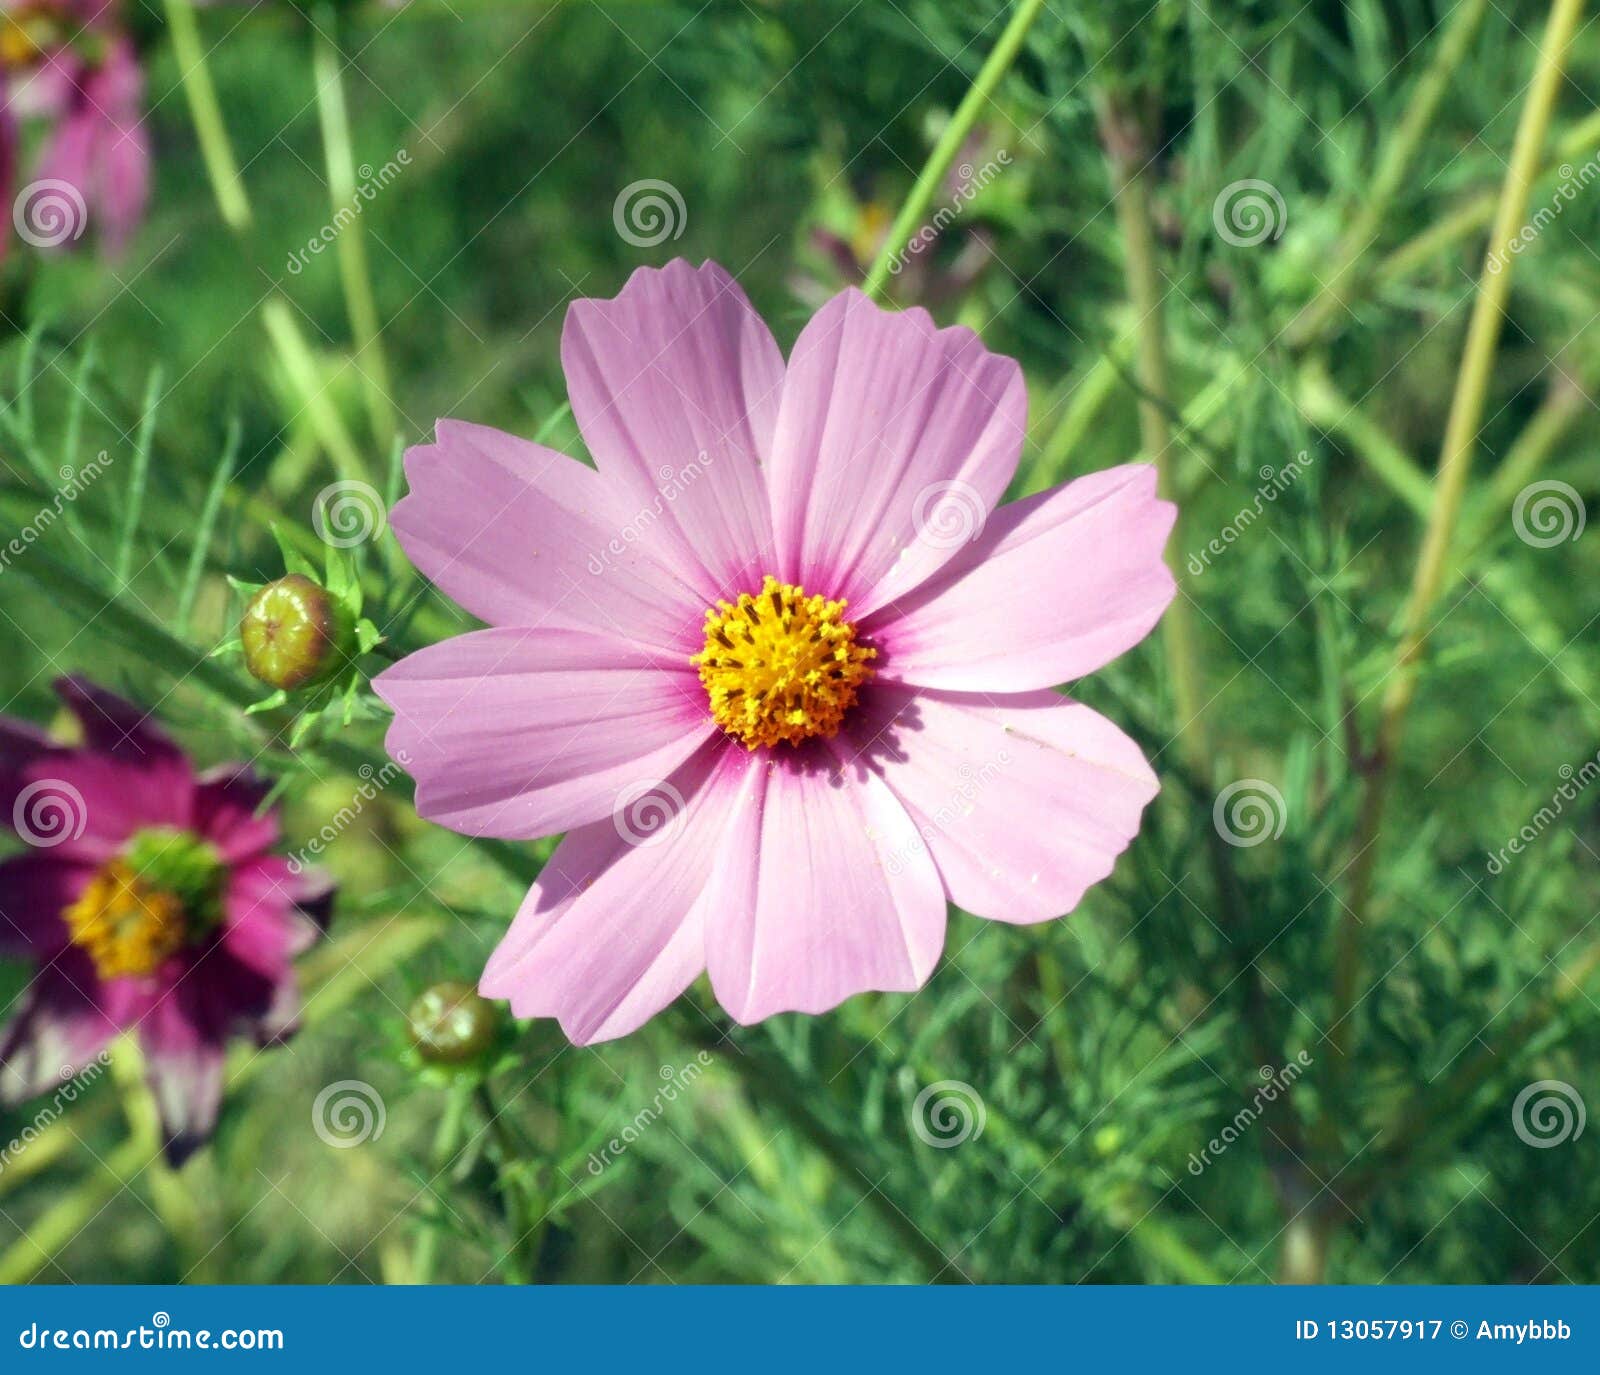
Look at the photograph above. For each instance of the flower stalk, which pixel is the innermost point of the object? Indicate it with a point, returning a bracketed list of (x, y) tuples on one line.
[(1449, 487)]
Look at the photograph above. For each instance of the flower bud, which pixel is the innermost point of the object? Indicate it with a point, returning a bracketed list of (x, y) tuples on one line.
[(450, 1024), (293, 633)]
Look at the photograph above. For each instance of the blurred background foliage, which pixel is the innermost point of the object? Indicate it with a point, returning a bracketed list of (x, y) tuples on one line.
[(1107, 1049)]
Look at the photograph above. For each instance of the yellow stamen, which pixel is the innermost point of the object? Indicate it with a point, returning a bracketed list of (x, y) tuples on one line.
[(23, 36), (127, 925), (780, 665)]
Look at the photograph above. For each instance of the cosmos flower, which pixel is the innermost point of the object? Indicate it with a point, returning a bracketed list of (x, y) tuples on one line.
[(149, 901), (68, 63), (781, 667)]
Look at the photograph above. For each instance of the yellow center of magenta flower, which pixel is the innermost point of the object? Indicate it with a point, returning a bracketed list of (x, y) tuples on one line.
[(24, 35), (144, 905), (780, 665)]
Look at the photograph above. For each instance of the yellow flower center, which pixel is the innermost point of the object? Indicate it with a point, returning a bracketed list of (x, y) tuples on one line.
[(781, 665), (163, 890), (24, 35), (127, 925)]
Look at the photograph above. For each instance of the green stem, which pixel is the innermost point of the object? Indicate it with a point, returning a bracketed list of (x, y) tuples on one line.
[(1123, 134), (1455, 463), (446, 1140), (215, 150), (354, 270), (944, 153), (304, 375)]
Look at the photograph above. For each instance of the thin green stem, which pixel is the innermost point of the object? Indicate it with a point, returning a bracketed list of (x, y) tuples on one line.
[(1123, 133), (446, 1141), (215, 149), (304, 375), (354, 270), (1455, 463), (945, 150)]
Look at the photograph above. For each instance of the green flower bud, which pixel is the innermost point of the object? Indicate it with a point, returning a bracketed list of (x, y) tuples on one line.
[(451, 1025), (293, 633)]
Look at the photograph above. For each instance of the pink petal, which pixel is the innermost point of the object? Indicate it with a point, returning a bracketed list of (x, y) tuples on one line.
[(60, 1028), (1060, 584), (675, 386), (894, 441), (1024, 802), (225, 803), (613, 930), (520, 733), (265, 928), (35, 889), (184, 1065), (822, 890), (522, 535)]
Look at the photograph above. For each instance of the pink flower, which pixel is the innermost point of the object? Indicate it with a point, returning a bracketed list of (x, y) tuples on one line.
[(149, 901), (781, 667), (69, 63)]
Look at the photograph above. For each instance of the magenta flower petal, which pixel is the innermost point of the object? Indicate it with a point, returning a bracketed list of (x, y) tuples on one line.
[(518, 733), (822, 890), (100, 147), (62, 1025), (968, 767), (614, 928), (1059, 584), (522, 535), (675, 386), (184, 1044), (226, 802), (35, 888), (269, 919), (891, 430)]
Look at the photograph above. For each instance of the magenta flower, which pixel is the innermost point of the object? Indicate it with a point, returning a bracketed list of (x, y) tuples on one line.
[(68, 63), (149, 901), (781, 667)]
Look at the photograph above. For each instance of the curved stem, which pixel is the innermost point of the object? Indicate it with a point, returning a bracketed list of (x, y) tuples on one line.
[(1127, 157), (1455, 463), (995, 66), (215, 150)]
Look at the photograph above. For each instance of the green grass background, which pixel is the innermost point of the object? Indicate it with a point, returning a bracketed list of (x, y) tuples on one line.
[(1106, 1048)]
